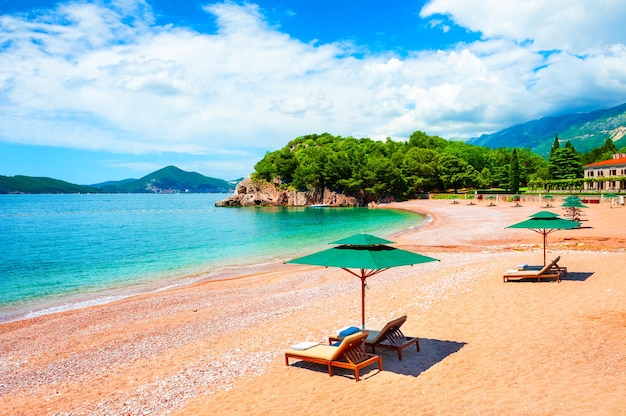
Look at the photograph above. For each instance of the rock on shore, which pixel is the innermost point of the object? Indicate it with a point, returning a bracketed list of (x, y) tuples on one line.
[(249, 193)]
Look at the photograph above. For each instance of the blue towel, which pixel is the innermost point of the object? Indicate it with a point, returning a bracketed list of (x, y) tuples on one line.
[(348, 331)]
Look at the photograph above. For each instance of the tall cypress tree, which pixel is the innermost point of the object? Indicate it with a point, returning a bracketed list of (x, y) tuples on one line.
[(514, 172), (555, 145)]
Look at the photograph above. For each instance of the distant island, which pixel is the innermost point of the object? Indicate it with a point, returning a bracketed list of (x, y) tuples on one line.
[(167, 180)]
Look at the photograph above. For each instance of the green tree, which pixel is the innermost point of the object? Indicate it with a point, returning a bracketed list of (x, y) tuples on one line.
[(308, 173), (279, 164), (484, 179), (565, 163), (514, 172), (500, 176), (419, 168), (476, 156), (424, 141), (455, 172), (598, 154), (555, 145)]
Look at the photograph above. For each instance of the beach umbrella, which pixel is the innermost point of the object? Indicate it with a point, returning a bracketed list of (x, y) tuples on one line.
[(491, 198), (572, 197), (545, 222), (363, 255), (548, 198), (573, 205)]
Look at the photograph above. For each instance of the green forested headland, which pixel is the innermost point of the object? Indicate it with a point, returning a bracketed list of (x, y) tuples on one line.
[(376, 170)]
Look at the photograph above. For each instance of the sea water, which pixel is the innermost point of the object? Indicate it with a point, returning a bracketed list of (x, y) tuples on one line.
[(66, 251)]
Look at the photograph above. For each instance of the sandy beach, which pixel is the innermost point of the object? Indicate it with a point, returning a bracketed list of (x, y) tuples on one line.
[(487, 347)]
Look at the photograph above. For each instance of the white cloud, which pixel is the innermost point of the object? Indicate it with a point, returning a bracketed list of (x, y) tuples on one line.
[(575, 26), (105, 78)]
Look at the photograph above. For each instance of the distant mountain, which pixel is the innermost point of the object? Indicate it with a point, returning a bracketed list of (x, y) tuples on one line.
[(113, 186), (35, 185), (585, 131), (167, 180)]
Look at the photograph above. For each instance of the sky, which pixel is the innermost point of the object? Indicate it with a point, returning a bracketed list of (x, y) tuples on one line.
[(92, 91)]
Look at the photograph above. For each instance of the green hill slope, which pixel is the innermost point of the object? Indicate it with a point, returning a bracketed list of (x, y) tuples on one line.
[(173, 179), (585, 131), (167, 180), (37, 185)]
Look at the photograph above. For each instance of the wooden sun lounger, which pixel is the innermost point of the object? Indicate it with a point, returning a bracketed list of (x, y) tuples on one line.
[(550, 271), (349, 354), (389, 337), (554, 266)]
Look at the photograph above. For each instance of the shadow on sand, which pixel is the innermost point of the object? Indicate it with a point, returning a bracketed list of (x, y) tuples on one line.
[(432, 351), (578, 276)]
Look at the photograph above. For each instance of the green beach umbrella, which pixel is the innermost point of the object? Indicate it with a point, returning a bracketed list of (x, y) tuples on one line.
[(545, 222), (368, 254), (573, 207), (573, 204), (548, 198), (572, 199)]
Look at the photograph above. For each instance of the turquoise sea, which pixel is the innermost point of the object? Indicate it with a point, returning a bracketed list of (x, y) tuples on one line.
[(66, 251)]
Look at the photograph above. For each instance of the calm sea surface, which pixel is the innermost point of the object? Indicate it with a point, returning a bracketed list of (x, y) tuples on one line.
[(66, 251)]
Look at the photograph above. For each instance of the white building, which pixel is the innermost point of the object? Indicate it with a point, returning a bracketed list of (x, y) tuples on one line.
[(610, 174)]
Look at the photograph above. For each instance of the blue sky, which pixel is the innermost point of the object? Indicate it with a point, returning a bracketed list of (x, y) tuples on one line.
[(115, 89)]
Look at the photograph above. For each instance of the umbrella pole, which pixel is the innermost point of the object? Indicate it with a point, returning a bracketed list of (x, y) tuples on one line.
[(362, 302), (545, 239)]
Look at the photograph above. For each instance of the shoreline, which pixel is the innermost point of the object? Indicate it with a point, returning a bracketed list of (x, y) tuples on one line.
[(86, 300), (104, 296), (487, 347)]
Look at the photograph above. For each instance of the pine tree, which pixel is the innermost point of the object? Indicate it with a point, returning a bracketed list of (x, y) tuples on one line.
[(565, 163)]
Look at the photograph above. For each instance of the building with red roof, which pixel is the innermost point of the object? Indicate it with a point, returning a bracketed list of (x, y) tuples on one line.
[(610, 174)]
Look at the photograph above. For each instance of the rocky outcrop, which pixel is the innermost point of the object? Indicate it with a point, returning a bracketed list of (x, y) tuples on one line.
[(249, 193)]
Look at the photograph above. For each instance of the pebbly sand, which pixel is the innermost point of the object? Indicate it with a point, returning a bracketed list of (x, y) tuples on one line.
[(487, 347)]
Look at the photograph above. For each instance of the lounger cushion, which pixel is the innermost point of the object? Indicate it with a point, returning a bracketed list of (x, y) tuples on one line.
[(372, 336), (323, 352), (326, 352), (349, 331)]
